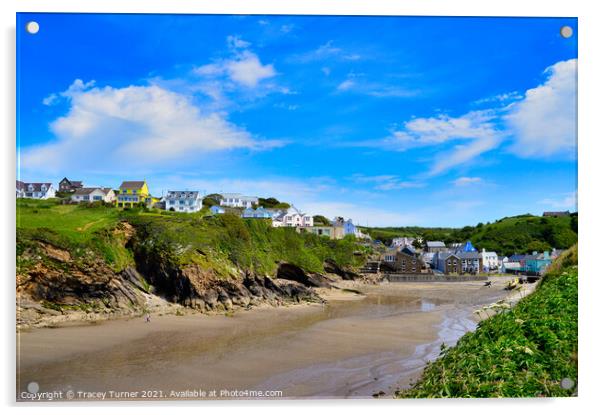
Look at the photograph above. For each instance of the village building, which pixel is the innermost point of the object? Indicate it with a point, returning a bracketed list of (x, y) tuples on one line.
[(427, 257), (69, 186), (556, 214), (458, 262), (186, 201), (403, 260), (490, 261), (35, 190), (217, 210), (132, 193), (402, 241), (259, 213), (348, 228), (327, 231), (293, 217), (472, 263), (237, 200), (93, 194), (435, 246)]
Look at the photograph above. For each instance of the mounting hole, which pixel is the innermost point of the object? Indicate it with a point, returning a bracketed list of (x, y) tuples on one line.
[(32, 27), (566, 31)]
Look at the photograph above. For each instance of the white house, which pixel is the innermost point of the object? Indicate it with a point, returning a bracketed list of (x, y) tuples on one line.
[(402, 241), (35, 190), (93, 194), (490, 260), (293, 217), (238, 200), (183, 201)]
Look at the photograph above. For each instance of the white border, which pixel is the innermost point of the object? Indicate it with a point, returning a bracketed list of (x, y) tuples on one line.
[(590, 31)]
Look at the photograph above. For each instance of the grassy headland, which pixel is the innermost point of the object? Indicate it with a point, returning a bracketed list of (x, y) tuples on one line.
[(525, 351), (224, 243)]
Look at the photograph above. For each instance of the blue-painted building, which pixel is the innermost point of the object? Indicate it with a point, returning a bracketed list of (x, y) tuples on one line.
[(537, 264), (347, 225), (259, 213), (217, 210)]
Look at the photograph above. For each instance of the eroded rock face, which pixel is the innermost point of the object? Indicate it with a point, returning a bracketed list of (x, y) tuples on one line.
[(333, 268), (201, 289), (294, 273), (60, 284)]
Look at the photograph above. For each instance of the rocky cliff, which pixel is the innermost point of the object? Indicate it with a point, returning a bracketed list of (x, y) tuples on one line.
[(57, 286)]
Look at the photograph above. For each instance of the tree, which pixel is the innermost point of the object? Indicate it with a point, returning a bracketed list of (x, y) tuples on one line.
[(322, 220), (212, 199), (272, 203), (574, 222)]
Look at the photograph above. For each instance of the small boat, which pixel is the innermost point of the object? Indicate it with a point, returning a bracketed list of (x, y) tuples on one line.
[(512, 284)]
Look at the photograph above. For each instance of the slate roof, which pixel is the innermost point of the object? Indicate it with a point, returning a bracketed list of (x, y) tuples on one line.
[(435, 244), (83, 191), (37, 187), (182, 194), (468, 255), (132, 185), (237, 196)]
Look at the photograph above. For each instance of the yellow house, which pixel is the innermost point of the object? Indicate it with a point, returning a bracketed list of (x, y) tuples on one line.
[(130, 194)]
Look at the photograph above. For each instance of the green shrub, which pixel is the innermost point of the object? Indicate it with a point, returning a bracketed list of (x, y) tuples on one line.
[(523, 352)]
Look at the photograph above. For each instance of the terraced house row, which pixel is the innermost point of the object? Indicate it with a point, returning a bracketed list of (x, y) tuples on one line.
[(136, 193)]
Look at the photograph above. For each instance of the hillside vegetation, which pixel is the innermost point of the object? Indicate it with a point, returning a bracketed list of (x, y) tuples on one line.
[(525, 351), (517, 234), (225, 243)]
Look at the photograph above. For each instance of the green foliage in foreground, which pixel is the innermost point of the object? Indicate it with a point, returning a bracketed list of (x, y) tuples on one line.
[(523, 352)]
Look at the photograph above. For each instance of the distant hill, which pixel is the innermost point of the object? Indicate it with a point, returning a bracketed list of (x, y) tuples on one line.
[(520, 234)]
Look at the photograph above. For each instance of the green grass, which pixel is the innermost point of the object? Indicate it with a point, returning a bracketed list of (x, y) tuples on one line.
[(523, 352), (79, 229), (75, 222)]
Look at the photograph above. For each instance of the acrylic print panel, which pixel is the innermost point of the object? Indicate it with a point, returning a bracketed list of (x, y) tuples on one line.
[(281, 207)]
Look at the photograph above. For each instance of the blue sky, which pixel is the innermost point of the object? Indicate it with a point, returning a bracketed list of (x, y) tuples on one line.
[(392, 121)]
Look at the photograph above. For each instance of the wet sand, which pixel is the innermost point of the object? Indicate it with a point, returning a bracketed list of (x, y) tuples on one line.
[(354, 346)]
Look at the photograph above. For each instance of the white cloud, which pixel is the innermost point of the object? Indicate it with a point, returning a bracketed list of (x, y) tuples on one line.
[(545, 121), (286, 28), (133, 126), (506, 97), (542, 123), (345, 85), (386, 182), (475, 131), (465, 181), (77, 86), (235, 42), (247, 69), (566, 201), (50, 99), (327, 51)]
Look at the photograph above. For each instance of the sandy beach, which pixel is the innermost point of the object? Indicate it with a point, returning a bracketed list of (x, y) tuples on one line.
[(353, 346)]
